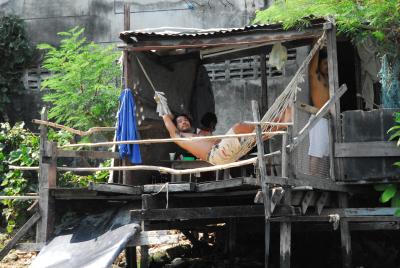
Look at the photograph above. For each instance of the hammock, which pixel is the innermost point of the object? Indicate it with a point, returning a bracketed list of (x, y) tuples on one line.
[(274, 114), (282, 102)]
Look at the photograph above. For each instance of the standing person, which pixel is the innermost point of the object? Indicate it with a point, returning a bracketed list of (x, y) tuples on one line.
[(319, 134)]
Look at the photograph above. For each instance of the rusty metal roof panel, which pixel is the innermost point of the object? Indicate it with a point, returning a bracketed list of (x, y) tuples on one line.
[(182, 33)]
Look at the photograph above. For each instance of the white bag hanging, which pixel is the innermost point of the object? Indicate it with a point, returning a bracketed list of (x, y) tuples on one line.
[(278, 56)]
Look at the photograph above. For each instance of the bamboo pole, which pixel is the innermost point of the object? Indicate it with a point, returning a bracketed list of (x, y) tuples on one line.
[(162, 169), (19, 197), (167, 140), (72, 130)]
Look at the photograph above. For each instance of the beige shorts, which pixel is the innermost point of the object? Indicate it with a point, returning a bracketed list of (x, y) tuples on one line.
[(226, 151)]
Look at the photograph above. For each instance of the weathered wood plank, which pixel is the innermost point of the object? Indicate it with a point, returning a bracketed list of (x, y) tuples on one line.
[(172, 187), (87, 154), (209, 212), (20, 233), (325, 218), (322, 200), (115, 188), (146, 238), (225, 184), (308, 196), (345, 235), (367, 149), (305, 180), (29, 247), (263, 179), (47, 180)]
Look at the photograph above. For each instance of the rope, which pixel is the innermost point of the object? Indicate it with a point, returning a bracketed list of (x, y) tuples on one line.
[(276, 112), (150, 141), (335, 219), (166, 185), (162, 106)]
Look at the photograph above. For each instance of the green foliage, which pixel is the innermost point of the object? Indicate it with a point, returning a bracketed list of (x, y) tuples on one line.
[(82, 87), (20, 147), (358, 19), (69, 179), (390, 192), (15, 54)]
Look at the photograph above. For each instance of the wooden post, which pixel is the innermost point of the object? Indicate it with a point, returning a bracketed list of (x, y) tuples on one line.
[(264, 83), (263, 177), (333, 88), (345, 233), (47, 180), (20, 233), (131, 258), (144, 250), (232, 239), (285, 227), (127, 175), (331, 150)]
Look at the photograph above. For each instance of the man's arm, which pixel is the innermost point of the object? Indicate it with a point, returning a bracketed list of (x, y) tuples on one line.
[(172, 130), (313, 67)]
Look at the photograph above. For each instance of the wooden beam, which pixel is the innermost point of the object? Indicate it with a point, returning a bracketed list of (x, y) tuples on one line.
[(367, 149), (285, 227), (263, 179), (147, 203), (307, 108), (115, 188), (264, 83), (171, 187), (209, 212), (147, 238), (29, 247), (322, 200), (47, 180), (345, 235), (308, 196), (87, 154), (225, 184), (312, 181), (20, 233)]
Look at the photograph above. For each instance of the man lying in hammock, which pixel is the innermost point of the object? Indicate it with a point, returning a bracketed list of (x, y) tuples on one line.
[(216, 152)]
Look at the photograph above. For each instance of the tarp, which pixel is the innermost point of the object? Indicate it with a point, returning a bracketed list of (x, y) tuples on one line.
[(95, 242), (126, 129)]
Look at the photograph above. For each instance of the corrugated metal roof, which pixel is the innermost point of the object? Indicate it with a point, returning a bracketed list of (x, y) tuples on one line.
[(170, 32)]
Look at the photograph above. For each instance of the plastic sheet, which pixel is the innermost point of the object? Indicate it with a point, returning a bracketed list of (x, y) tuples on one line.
[(94, 243)]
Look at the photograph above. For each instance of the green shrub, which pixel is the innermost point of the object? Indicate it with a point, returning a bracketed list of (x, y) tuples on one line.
[(15, 55), (19, 147), (82, 88)]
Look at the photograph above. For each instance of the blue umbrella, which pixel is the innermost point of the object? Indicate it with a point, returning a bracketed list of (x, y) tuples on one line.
[(126, 129)]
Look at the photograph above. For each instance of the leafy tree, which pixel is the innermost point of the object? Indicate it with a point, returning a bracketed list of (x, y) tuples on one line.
[(358, 19), (82, 87), (15, 55)]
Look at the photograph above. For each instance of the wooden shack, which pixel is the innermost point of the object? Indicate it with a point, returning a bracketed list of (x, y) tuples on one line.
[(286, 192)]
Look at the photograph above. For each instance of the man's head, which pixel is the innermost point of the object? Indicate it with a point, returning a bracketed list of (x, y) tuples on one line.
[(323, 62), (183, 123)]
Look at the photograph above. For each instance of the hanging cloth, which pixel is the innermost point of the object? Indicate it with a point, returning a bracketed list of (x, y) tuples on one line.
[(126, 129)]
